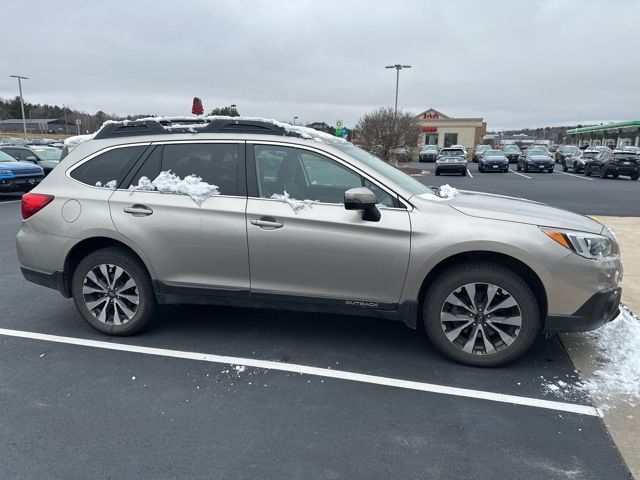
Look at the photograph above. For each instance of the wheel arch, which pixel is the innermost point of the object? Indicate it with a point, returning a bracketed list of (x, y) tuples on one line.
[(88, 245), (518, 266)]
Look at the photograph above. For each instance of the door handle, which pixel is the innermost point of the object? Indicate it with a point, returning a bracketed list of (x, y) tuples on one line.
[(267, 223), (138, 210)]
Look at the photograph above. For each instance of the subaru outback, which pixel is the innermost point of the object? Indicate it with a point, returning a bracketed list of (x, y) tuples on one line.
[(249, 212)]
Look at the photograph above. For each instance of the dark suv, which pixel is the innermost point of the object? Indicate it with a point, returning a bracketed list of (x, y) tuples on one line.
[(614, 163)]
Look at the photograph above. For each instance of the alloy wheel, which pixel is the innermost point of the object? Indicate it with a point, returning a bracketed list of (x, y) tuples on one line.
[(110, 294), (481, 318)]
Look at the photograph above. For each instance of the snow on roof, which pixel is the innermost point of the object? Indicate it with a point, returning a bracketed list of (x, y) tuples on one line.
[(72, 142), (196, 123)]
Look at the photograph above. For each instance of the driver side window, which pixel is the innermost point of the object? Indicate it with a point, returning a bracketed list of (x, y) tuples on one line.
[(303, 175)]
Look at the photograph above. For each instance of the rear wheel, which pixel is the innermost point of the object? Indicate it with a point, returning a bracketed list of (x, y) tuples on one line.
[(481, 314), (113, 292)]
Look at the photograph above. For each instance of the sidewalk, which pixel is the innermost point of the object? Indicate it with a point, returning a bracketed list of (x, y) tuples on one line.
[(623, 420)]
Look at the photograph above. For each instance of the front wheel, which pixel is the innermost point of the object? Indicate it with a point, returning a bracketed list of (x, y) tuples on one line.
[(437, 173), (112, 291), (481, 314), (635, 176), (587, 171), (564, 167), (519, 167), (603, 173)]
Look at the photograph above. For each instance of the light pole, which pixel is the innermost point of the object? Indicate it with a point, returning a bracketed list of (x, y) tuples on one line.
[(24, 121), (398, 67), (294, 120)]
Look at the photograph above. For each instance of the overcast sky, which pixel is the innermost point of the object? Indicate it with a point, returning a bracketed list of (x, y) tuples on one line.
[(515, 63)]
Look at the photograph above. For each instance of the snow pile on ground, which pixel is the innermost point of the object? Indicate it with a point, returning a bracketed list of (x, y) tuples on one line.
[(295, 204), (618, 353), (618, 344), (168, 182)]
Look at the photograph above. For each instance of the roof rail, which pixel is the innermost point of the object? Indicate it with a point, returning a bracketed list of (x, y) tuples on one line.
[(167, 125)]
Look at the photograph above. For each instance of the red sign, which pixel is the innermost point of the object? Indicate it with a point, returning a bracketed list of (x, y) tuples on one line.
[(429, 129), (431, 116)]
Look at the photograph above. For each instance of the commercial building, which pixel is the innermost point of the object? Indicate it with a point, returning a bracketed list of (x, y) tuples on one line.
[(436, 128), (39, 125), (616, 134)]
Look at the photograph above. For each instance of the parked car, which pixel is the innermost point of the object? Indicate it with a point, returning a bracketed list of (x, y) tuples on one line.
[(512, 152), (461, 147), (631, 149), (428, 153), (578, 160), (17, 176), (13, 141), (477, 152), (451, 160), (614, 163), (493, 161), (566, 151), (34, 155), (553, 149), (535, 160), (486, 274)]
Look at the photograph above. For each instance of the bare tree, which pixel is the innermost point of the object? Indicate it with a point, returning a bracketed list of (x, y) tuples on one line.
[(383, 132)]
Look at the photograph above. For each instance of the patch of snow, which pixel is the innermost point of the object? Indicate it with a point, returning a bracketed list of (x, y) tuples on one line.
[(202, 122), (240, 368), (618, 376), (111, 184), (73, 142), (168, 182), (295, 204), (618, 344)]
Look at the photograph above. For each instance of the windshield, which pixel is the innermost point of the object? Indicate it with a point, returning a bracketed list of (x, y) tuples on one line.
[(384, 169), (494, 153), (571, 149), (429, 147), (451, 153), (511, 148), (537, 151), (48, 154), (5, 157)]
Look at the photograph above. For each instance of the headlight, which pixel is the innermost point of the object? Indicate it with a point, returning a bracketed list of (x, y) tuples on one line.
[(5, 172), (587, 245)]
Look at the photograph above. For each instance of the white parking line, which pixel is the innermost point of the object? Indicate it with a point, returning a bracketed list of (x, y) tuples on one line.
[(520, 174), (469, 172), (320, 372), (576, 176)]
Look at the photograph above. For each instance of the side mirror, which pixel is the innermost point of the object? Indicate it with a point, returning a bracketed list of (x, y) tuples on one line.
[(362, 199), (31, 159)]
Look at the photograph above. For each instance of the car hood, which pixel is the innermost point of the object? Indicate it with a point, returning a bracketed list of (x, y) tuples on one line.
[(512, 209), (16, 166)]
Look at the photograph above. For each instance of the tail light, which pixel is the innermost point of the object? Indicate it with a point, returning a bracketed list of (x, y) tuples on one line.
[(32, 203)]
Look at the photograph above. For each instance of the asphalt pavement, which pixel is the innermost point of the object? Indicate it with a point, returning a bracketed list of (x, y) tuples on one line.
[(577, 193), (77, 409)]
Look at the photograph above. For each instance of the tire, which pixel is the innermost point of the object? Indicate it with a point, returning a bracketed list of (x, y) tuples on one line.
[(437, 173), (464, 174), (518, 167), (635, 176), (603, 173), (576, 168), (564, 166), (480, 168), (525, 167), (493, 274), (551, 170), (587, 171), (134, 269), (615, 175)]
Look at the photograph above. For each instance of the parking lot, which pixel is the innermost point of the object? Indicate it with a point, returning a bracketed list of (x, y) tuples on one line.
[(229, 393)]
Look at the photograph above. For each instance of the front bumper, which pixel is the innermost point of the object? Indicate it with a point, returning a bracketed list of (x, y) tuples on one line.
[(533, 166), (428, 158), (494, 165), (19, 184), (601, 308)]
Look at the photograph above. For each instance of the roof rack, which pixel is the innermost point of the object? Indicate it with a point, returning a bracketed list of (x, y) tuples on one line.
[(168, 125)]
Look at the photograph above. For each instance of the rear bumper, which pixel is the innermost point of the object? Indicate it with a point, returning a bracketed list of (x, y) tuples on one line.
[(601, 308), (55, 280), (623, 169)]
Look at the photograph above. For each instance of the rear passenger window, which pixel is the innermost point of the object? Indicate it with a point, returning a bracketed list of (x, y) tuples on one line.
[(215, 163), (111, 165)]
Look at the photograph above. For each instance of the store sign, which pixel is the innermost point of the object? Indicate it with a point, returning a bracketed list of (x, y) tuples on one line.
[(429, 129), (431, 116)]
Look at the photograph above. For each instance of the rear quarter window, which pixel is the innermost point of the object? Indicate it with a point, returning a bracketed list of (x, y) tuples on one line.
[(110, 165)]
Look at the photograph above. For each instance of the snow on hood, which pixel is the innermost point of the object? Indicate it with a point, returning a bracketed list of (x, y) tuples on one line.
[(168, 182), (303, 132)]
